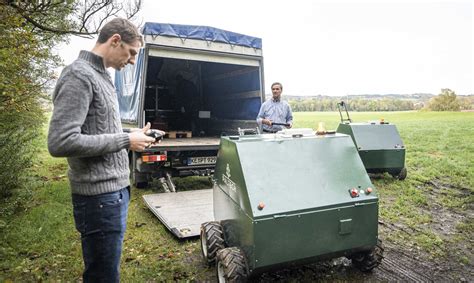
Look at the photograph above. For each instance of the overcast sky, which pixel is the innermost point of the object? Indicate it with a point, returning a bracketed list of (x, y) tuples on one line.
[(340, 47)]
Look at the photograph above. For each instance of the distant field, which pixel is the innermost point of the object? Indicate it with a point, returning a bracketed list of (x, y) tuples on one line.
[(432, 210), (429, 216), (438, 143)]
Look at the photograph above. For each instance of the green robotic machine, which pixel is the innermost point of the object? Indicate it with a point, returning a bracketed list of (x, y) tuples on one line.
[(288, 198), (378, 143)]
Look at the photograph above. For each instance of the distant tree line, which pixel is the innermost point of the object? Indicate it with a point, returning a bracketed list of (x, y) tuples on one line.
[(353, 104), (447, 100), (466, 102)]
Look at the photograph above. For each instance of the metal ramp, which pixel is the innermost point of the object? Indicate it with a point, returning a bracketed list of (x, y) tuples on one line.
[(182, 212)]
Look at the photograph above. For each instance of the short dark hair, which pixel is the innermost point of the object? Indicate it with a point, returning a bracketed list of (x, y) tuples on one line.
[(127, 30), (277, 83)]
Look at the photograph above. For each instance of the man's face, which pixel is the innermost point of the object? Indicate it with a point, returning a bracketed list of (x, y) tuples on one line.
[(123, 53), (276, 91)]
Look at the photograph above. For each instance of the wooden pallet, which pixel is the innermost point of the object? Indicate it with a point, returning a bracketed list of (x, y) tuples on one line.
[(179, 134)]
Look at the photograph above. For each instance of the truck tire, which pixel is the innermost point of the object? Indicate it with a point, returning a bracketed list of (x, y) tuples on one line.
[(212, 240), (140, 181), (368, 260), (141, 185), (231, 265)]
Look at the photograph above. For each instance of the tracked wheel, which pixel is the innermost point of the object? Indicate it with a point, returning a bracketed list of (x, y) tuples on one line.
[(231, 265), (400, 175), (403, 174), (212, 240), (368, 260)]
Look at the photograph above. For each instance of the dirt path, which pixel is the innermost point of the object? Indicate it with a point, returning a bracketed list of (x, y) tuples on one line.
[(397, 266)]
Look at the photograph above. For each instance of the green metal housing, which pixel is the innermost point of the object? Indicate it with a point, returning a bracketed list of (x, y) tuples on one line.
[(304, 185), (380, 146)]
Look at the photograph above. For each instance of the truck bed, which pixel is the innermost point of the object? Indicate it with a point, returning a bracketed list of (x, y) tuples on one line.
[(195, 143)]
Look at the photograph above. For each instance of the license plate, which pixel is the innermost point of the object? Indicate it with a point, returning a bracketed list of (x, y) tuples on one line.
[(202, 160)]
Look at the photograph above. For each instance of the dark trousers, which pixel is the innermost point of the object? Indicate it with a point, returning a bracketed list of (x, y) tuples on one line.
[(101, 220)]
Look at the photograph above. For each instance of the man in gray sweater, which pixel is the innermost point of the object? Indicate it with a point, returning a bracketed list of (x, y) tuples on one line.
[(85, 128)]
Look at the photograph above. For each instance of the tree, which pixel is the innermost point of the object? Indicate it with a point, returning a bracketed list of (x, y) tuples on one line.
[(80, 18), (466, 102), (30, 30), (325, 103), (445, 101)]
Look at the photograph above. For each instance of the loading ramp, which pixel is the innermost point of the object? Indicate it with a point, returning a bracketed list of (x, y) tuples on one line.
[(182, 212)]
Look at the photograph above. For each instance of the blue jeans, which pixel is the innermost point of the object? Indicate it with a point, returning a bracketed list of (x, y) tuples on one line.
[(102, 221)]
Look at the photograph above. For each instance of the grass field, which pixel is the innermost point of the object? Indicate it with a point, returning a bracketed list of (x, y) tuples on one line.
[(430, 211)]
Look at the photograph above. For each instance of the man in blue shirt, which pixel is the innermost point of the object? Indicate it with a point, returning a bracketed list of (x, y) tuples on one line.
[(275, 115)]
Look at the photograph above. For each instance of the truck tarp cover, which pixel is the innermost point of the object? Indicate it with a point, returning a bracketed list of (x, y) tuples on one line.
[(127, 84), (128, 81), (201, 32)]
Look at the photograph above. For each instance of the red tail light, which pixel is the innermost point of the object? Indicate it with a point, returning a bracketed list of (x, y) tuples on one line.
[(150, 158)]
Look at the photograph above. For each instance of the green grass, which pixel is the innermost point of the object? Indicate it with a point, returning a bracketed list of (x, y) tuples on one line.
[(39, 241)]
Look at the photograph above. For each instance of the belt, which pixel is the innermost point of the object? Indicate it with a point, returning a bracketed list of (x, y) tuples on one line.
[(269, 131)]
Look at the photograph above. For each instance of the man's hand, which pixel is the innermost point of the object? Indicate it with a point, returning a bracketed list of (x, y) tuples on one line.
[(138, 140), (267, 122)]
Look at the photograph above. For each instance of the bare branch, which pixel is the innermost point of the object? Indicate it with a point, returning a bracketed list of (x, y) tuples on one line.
[(85, 17), (132, 9), (107, 5), (27, 17)]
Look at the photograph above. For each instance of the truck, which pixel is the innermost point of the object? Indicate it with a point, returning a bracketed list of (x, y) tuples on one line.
[(196, 83)]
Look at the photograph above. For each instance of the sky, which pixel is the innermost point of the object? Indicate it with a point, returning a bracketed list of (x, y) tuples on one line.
[(339, 47)]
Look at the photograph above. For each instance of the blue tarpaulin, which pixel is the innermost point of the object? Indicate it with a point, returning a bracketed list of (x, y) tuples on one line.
[(127, 84), (201, 32)]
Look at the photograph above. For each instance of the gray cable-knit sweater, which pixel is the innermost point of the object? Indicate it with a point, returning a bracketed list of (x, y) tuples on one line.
[(85, 128)]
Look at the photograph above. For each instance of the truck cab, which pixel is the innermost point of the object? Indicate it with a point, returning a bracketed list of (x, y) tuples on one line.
[(196, 83)]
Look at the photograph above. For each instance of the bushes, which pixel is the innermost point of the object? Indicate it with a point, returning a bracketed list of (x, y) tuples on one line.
[(25, 71), (445, 101), (18, 130)]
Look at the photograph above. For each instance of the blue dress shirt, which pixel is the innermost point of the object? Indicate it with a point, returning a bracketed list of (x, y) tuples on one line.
[(277, 112)]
